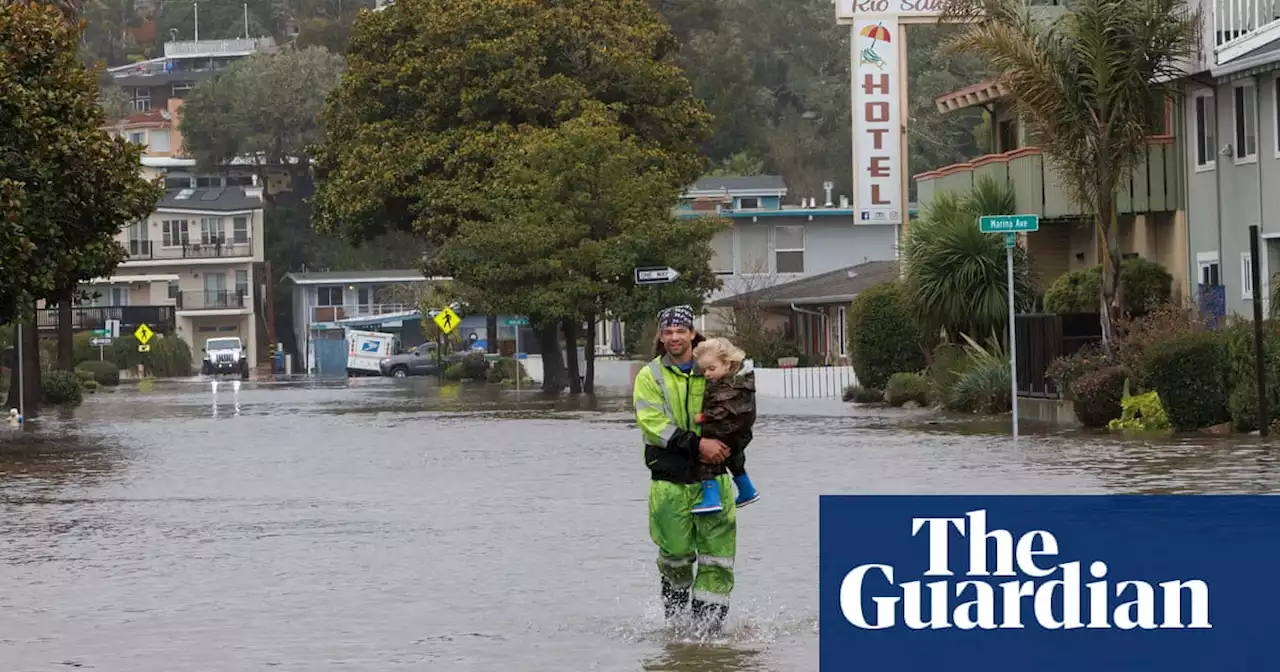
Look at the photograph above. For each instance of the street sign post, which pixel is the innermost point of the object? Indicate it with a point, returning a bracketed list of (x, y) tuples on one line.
[(1010, 226), (447, 320), (143, 333), (656, 275), (113, 328)]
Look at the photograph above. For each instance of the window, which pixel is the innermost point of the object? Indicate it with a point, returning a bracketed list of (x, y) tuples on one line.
[(1246, 276), (722, 253), (211, 231), (329, 296), (208, 182), (141, 99), (175, 233), (177, 181), (1206, 116), (1246, 123), (788, 248), (841, 346), (240, 230), (239, 180), (753, 249), (173, 290), (159, 141), (748, 203), (1275, 112), (138, 137), (1210, 274), (180, 89), (242, 283)]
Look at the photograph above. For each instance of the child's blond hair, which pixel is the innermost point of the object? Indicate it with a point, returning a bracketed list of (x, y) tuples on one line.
[(722, 349)]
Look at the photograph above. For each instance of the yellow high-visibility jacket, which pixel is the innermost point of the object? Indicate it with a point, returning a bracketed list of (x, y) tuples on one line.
[(668, 402)]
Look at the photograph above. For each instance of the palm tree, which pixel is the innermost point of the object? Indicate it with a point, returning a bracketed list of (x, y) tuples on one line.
[(1092, 86), (957, 276)]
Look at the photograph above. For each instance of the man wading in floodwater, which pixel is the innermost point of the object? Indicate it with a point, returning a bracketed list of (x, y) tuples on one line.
[(668, 400)]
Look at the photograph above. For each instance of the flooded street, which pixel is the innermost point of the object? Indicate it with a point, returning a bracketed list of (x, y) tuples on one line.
[(375, 524)]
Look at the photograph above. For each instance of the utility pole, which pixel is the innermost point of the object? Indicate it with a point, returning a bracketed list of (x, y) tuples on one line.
[(271, 320)]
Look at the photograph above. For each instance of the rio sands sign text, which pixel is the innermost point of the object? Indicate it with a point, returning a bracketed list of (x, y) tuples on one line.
[(848, 10)]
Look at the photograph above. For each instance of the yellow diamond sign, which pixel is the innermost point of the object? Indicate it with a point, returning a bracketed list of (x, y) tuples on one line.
[(447, 320), (143, 333)]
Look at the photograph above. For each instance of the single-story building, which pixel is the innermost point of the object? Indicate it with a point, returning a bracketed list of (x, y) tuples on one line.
[(812, 310)]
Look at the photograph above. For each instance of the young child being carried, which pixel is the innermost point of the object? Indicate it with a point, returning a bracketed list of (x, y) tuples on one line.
[(728, 413)]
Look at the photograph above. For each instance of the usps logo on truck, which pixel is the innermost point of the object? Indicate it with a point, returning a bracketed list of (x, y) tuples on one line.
[(369, 346)]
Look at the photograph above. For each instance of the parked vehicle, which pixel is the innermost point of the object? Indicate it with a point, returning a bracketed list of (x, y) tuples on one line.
[(419, 361), (224, 355), (367, 349)]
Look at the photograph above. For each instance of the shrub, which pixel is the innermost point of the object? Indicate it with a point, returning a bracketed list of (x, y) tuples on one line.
[(505, 370), (1143, 412), (1064, 371), (883, 336), (1135, 336), (454, 371), (104, 372), (949, 363), (904, 387), (90, 386), (84, 374), (1190, 374), (1097, 396), (984, 386), (475, 366), (62, 388), (1146, 286), (862, 395)]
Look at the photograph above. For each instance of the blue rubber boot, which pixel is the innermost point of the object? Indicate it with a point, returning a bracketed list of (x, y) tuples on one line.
[(710, 498), (747, 493)]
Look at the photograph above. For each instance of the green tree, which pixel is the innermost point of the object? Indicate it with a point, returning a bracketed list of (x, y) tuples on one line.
[(66, 186), (438, 91), (957, 276), (1093, 86)]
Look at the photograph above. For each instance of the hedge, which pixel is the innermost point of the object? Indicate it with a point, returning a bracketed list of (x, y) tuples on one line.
[(1189, 372), (883, 336), (1098, 395), (62, 388), (1146, 285), (904, 387), (104, 372)]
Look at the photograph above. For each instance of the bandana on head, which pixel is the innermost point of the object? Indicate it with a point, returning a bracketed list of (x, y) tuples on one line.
[(676, 316)]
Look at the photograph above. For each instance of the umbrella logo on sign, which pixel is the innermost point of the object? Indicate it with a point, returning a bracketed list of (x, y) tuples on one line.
[(877, 33)]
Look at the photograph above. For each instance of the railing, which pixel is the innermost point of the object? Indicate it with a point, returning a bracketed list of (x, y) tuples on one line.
[(143, 250), (1240, 26), (139, 70), (357, 310), (84, 318), (212, 299), (1040, 189), (1044, 337), (805, 382), (216, 47)]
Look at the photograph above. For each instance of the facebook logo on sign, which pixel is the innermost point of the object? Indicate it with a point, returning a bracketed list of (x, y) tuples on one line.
[(866, 215), (1050, 583)]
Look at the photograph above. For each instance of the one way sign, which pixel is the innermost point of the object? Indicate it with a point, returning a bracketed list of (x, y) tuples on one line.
[(656, 275)]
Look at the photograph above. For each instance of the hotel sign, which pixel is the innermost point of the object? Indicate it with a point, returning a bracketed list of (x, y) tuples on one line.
[(849, 10), (877, 129)]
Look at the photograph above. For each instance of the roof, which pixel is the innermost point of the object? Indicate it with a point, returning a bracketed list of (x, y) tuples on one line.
[(838, 286), (214, 199), (974, 94), (375, 275), (158, 117), (772, 184)]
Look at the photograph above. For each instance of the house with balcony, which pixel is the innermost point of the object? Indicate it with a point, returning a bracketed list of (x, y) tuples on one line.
[(327, 303), (1232, 129), (152, 83), (772, 242), (1151, 205), (197, 253)]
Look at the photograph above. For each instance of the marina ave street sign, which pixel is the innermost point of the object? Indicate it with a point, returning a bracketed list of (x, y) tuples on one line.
[(1008, 223)]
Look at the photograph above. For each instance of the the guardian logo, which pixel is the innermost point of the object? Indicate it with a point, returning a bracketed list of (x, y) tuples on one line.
[(1050, 593)]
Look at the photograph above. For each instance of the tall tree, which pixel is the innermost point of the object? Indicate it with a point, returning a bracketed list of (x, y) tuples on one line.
[(1093, 86), (66, 186), (438, 90)]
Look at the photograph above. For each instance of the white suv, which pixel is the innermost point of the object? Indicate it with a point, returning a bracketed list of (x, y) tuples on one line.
[(224, 355)]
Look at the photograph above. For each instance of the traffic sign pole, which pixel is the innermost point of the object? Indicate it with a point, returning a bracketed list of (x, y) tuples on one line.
[(1010, 226)]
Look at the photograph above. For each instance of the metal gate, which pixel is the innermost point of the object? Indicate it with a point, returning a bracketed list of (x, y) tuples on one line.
[(331, 356)]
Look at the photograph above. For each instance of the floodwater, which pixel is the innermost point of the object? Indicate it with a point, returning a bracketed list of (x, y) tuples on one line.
[(378, 525)]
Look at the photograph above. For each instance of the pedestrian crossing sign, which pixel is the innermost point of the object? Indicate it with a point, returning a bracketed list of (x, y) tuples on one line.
[(447, 320)]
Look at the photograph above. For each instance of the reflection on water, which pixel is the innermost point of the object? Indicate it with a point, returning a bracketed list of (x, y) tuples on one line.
[(369, 523)]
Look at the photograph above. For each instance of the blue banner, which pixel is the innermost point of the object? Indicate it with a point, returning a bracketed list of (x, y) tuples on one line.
[(1121, 583)]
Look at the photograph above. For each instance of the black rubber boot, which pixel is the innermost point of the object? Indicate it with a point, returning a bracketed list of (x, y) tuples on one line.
[(708, 617), (674, 600)]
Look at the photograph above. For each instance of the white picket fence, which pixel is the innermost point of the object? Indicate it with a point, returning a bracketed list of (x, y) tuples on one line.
[(805, 382), (808, 382)]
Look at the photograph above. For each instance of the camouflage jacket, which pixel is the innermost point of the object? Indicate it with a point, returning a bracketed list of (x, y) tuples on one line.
[(729, 409)]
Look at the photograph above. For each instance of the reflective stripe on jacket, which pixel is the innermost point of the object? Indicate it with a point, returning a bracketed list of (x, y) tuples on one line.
[(667, 400)]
